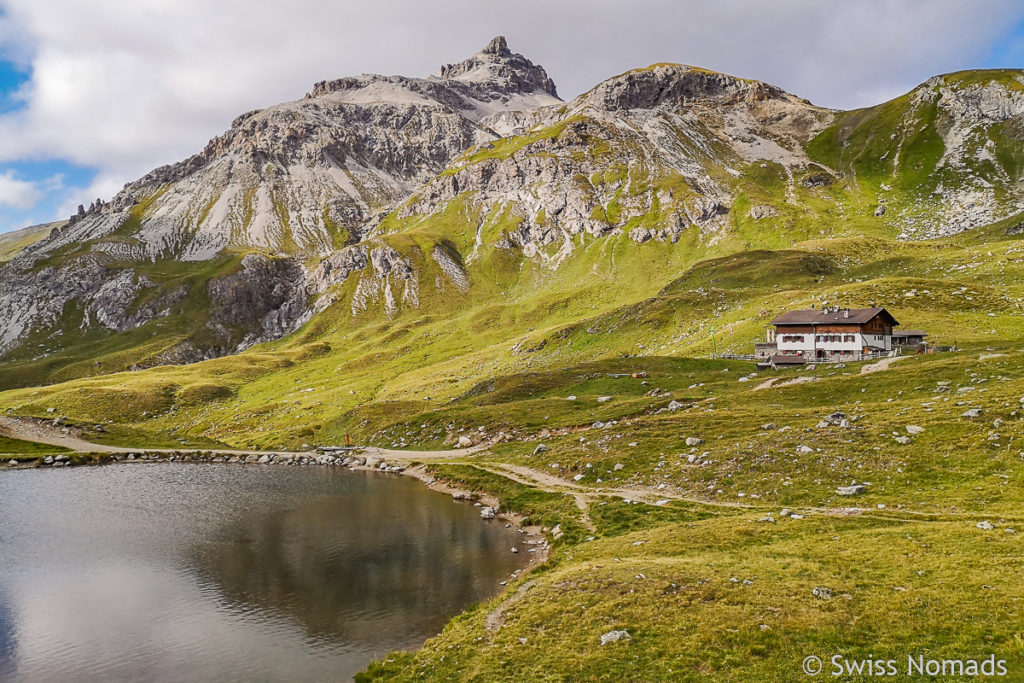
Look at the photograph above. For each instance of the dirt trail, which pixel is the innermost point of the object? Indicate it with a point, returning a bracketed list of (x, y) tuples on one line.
[(881, 365), (388, 453), (779, 382), (42, 432), (45, 432), (864, 370), (496, 619)]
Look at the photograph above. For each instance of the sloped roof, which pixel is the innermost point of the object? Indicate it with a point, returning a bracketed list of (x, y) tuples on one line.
[(824, 316), (910, 333), (788, 360)]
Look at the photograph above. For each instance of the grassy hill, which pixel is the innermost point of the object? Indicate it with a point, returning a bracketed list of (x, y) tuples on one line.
[(11, 243)]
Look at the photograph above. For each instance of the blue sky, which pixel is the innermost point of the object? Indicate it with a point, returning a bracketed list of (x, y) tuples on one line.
[(36, 187), (93, 95)]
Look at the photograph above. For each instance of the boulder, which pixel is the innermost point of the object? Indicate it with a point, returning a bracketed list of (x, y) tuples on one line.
[(615, 637), (985, 525), (903, 440), (603, 399), (972, 413), (914, 429), (465, 442), (487, 512), (694, 441), (674, 405), (822, 593), (540, 449), (853, 490)]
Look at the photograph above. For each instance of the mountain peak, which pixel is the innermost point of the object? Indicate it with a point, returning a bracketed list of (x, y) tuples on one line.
[(498, 46), (497, 65)]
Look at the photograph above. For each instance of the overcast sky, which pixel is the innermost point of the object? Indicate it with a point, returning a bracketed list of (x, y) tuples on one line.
[(94, 94)]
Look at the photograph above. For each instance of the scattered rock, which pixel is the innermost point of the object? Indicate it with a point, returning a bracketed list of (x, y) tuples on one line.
[(822, 593), (804, 449), (674, 405), (759, 211), (618, 466), (570, 398), (487, 512), (903, 440), (694, 441), (914, 429), (853, 490), (985, 525), (465, 442), (972, 413), (768, 518), (786, 512), (603, 399), (768, 426), (880, 210), (540, 449), (615, 637)]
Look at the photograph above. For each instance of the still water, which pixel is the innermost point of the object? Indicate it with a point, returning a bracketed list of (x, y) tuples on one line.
[(178, 572)]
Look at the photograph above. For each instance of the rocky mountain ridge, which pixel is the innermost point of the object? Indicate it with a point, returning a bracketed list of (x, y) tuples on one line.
[(308, 204)]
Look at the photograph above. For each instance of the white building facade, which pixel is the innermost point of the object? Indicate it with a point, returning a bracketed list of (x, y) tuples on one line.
[(833, 333)]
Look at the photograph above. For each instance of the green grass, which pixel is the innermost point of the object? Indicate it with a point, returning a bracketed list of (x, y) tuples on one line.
[(17, 449), (12, 243)]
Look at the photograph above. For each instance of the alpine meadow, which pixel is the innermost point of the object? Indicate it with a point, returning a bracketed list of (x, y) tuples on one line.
[(563, 311)]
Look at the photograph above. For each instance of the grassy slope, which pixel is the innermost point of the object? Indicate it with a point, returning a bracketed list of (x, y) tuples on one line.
[(16, 449), (13, 242), (927, 567)]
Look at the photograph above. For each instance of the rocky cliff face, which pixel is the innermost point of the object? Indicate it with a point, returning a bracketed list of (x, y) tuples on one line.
[(648, 153), (298, 179)]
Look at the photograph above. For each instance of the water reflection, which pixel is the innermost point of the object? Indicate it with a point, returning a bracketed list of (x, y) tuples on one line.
[(367, 567), (200, 572)]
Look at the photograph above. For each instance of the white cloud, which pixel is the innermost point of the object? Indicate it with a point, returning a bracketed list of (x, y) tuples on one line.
[(126, 86), (19, 194)]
